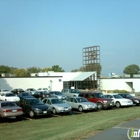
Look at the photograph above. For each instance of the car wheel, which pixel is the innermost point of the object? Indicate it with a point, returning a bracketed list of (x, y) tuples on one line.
[(118, 104), (99, 106), (80, 108), (54, 111), (31, 114)]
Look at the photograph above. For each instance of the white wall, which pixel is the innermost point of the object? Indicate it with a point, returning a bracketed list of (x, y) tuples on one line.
[(121, 84), (33, 82)]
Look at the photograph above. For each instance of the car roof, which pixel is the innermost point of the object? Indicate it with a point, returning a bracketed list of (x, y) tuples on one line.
[(111, 94)]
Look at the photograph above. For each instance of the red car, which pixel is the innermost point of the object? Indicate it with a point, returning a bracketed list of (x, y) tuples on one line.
[(135, 100), (99, 99)]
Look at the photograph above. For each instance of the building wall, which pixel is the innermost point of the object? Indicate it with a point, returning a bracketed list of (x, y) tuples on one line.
[(121, 84), (56, 83)]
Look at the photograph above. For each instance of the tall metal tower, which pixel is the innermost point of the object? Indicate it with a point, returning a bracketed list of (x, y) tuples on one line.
[(91, 60)]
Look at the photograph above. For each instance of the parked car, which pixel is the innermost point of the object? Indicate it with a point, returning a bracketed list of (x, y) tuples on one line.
[(58, 94), (135, 100), (34, 107), (71, 92), (43, 89), (25, 95), (41, 94), (31, 90), (119, 101), (17, 90), (57, 105), (9, 96), (81, 104), (99, 99), (10, 109)]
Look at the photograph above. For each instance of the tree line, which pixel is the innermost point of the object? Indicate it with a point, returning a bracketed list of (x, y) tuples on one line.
[(21, 72)]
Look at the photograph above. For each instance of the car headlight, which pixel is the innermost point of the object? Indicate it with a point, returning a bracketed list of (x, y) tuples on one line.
[(105, 101), (60, 108), (136, 101), (85, 106)]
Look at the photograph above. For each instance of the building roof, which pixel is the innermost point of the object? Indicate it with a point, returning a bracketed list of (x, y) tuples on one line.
[(82, 76)]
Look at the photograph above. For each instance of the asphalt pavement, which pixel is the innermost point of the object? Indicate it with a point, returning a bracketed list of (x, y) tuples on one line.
[(125, 131)]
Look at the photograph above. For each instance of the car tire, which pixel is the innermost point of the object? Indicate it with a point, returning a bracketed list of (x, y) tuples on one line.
[(54, 111), (118, 105), (80, 108), (99, 106), (31, 114)]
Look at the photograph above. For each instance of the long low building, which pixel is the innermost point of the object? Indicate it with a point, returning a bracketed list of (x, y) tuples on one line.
[(80, 80)]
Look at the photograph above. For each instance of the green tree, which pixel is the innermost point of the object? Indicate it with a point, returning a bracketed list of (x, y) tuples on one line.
[(20, 72), (4, 69), (131, 69), (46, 69), (33, 70), (56, 68), (74, 70)]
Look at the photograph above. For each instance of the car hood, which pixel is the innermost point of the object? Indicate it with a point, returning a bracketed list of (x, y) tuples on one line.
[(12, 97), (134, 99), (62, 105), (88, 103), (40, 106), (123, 99)]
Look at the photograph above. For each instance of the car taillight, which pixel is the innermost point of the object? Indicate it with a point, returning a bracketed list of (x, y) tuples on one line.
[(19, 110), (7, 111), (43, 95)]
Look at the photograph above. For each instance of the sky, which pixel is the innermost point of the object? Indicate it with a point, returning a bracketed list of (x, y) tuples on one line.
[(43, 33)]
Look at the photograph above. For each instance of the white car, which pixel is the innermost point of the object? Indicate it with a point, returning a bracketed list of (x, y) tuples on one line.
[(81, 104), (9, 96), (119, 100)]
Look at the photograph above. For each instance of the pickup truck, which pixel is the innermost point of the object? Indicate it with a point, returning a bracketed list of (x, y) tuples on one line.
[(99, 99), (71, 92)]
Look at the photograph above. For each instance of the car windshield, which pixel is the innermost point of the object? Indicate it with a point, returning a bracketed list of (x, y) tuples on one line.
[(5, 90), (81, 100), (58, 93), (36, 102), (75, 91), (129, 96), (56, 101), (32, 89), (8, 104), (9, 94), (117, 96), (99, 95)]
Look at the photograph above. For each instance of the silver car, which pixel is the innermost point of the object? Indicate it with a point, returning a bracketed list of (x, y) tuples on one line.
[(57, 105), (10, 109), (81, 104)]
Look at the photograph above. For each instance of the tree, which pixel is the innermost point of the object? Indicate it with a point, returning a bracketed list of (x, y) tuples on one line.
[(4, 69), (46, 69), (74, 70), (20, 72), (131, 69), (56, 68), (33, 70)]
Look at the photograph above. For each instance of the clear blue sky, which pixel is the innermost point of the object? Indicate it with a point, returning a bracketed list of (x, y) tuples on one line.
[(44, 33)]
